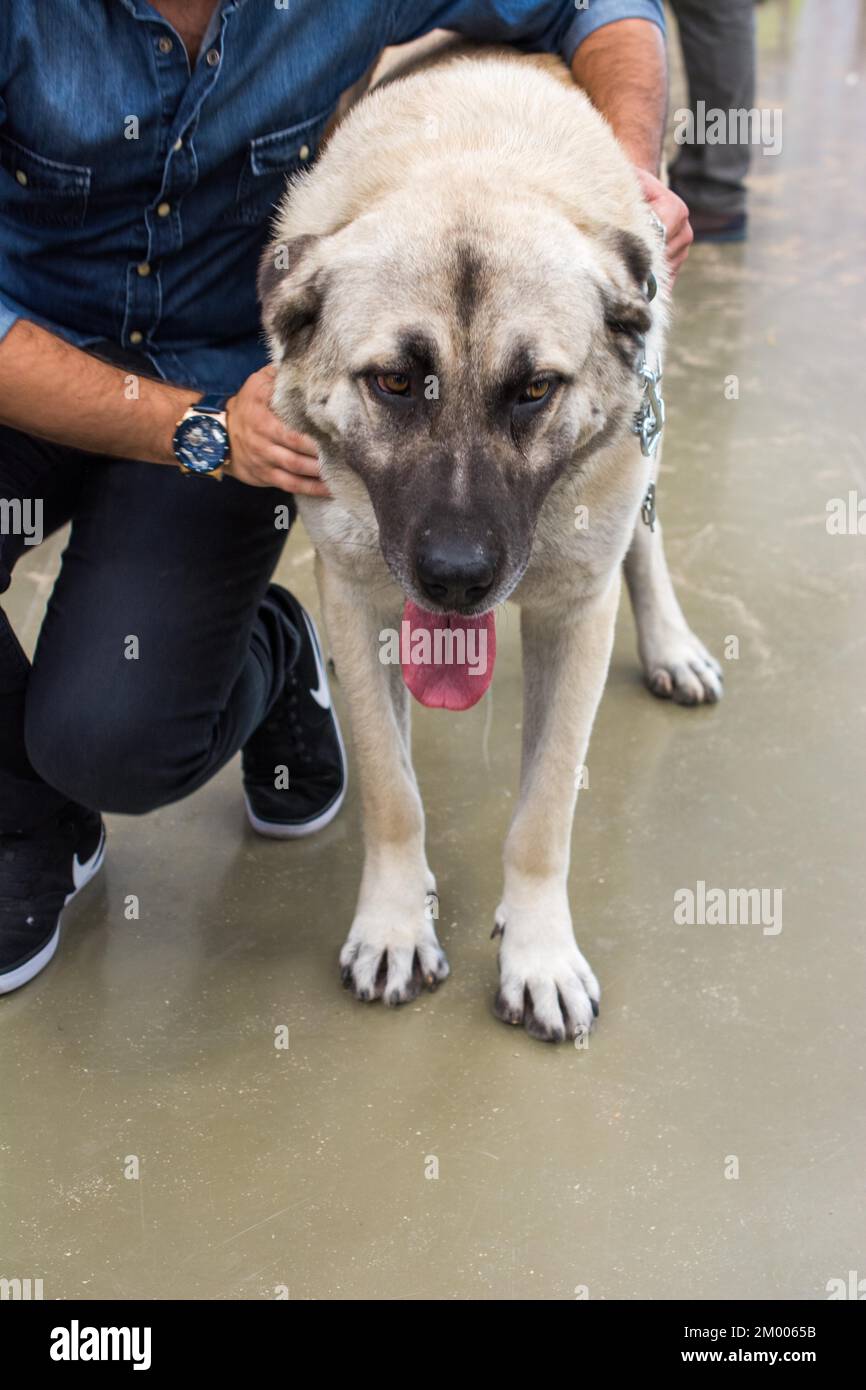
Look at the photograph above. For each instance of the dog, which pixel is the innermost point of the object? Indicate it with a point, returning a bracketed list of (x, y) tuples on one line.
[(465, 300)]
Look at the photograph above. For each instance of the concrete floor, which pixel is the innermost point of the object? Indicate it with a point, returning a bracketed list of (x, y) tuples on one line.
[(304, 1168)]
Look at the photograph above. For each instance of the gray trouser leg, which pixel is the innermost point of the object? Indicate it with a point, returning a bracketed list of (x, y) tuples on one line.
[(718, 40)]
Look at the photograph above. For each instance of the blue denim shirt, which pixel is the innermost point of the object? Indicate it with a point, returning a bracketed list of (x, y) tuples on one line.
[(135, 195)]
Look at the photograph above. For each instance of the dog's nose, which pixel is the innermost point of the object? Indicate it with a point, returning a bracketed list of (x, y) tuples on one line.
[(454, 573)]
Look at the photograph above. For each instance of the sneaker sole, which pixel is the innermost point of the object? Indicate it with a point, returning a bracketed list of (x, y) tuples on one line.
[(20, 974), (296, 830)]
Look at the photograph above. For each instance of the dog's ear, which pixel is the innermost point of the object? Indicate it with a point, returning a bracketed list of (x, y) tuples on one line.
[(289, 287), (627, 299), (626, 314), (636, 256)]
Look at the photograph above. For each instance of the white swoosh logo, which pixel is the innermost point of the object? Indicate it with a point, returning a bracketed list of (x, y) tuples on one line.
[(81, 872), (321, 694)]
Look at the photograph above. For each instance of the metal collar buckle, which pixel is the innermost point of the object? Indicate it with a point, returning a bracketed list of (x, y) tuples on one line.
[(650, 415)]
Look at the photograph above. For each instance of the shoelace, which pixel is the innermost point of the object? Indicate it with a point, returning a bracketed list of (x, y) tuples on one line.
[(285, 718)]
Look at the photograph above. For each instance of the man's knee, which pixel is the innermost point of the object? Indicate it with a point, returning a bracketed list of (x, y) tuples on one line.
[(98, 756)]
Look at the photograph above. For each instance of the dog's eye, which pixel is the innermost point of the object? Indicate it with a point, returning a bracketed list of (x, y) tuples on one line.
[(393, 383), (536, 390)]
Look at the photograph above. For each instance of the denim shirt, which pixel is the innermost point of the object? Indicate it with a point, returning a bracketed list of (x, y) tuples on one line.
[(135, 194)]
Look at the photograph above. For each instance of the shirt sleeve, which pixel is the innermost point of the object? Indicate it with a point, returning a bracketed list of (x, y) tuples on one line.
[(8, 311), (546, 26), (8, 316)]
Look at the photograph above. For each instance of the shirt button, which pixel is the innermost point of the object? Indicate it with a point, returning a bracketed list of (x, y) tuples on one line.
[(212, 57), (178, 145), (136, 337), (143, 268), (165, 45), (163, 209), (21, 177), (304, 152)]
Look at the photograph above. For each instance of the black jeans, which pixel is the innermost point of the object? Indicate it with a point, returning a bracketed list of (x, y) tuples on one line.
[(156, 659)]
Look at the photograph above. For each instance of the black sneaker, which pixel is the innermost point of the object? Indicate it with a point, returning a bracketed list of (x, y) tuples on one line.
[(299, 743), (40, 873)]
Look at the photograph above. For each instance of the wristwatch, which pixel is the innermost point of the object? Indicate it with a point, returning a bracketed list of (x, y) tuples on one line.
[(201, 438)]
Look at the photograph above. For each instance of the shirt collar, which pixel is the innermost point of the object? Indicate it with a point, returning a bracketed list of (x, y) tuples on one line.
[(140, 9)]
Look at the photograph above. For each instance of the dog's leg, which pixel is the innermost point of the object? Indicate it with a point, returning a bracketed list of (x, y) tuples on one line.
[(391, 950), (675, 662), (402, 713), (545, 983)]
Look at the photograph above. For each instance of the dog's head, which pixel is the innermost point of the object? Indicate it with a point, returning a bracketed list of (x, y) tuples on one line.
[(457, 363)]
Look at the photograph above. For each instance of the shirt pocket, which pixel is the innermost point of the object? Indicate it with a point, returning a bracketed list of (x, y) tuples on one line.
[(270, 161), (39, 191)]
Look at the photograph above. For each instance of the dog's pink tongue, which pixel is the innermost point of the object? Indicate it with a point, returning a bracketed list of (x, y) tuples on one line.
[(447, 660)]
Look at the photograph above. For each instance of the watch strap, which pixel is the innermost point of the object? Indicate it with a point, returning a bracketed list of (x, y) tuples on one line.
[(213, 404)]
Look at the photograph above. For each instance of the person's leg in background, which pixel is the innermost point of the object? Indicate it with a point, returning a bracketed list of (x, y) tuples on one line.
[(718, 42), (163, 652)]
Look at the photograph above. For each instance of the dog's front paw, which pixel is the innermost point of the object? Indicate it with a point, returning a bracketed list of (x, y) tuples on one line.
[(678, 667), (393, 956), (544, 981)]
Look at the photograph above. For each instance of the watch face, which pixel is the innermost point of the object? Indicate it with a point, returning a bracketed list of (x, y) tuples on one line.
[(201, 443)]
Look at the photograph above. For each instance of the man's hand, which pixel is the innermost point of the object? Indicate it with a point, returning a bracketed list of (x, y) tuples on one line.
[(622, 68), (674, 217), (263, 452)]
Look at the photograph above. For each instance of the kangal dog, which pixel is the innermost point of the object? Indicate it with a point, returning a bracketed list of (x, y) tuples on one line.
[(465, 300)]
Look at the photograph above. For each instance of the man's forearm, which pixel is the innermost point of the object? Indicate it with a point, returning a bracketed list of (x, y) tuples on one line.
[(55, 391), (622, 67)]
